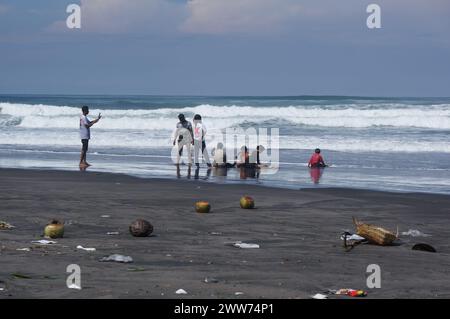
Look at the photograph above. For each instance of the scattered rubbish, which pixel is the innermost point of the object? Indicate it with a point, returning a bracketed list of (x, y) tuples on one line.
[(118, 258), (112, 233), (414, 233), (86, 249), (141, 228), (350, 236), (319, 296), (137, 269), (424, 247), (209, 280), (43, 242), (5, 225), (238, 293), (374, 234), (215, 233), (54, 230), (242, 245), (23, 249), (105, 216), (74, 286), (352, 240), (351, 292), (247, 202), (1, 289), (202, 207), (181, 292), (21, 276)]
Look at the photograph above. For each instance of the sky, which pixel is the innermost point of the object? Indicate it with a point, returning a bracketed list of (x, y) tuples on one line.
[(226, 47)]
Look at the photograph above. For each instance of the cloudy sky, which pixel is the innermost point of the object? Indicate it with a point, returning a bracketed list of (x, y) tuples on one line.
[(226, 47)]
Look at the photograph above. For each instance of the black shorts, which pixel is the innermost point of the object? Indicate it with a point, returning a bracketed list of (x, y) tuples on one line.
[(85, 145)]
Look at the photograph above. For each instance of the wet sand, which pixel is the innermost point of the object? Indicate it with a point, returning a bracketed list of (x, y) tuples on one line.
[(298, 232)]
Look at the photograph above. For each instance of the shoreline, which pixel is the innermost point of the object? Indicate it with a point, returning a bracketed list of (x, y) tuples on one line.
[(250, 182), (298, 232)]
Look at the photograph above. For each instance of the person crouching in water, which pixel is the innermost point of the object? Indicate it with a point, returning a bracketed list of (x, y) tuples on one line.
[(316, 160), (199, 140), (220, 157), (183, 135), (85, 134)]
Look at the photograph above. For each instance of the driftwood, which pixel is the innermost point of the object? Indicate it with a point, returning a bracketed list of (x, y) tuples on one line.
[(374, 234)]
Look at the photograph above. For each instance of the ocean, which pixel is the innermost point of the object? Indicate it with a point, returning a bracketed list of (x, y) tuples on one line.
[(392, 144)]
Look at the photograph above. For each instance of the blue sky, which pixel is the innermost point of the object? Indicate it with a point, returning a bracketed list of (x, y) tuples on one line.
[(226, 47)]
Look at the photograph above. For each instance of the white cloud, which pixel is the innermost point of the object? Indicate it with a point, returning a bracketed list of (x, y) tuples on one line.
[(239, 16)]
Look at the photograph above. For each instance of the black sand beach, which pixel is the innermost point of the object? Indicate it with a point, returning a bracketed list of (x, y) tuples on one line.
[(298, 232)]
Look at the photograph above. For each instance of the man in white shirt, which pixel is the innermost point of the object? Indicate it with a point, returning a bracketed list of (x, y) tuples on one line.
[(199, 140), (85, 134), (184, 137)]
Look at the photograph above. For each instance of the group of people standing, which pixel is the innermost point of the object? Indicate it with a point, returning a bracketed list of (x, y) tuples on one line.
[(187, 135)]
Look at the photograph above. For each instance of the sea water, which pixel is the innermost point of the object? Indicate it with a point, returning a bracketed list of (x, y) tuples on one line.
[(395, 144)]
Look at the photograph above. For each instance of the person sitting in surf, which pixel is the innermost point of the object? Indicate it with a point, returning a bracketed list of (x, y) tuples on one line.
[(220, 157), (316, 160)]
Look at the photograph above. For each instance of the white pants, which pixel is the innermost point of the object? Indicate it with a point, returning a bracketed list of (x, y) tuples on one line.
[(200, 146), (187, 144)]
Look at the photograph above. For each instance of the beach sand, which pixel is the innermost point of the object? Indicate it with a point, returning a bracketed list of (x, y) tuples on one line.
[(298, 232)]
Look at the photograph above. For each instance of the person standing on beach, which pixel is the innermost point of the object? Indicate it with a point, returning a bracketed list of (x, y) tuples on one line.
[(183, 135), (199, 140), (85, 134)]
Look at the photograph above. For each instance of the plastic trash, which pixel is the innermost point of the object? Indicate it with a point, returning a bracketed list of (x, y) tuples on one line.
[(118, 258), (414, 233), (238, 293), (211, 280), (74, 286), (349, 236), (23, 249), (242, 245), (112, 233), (5, 225), (319, 296), (85, 248), (351, 292), (43, 242), (105, 216), (181, 292)]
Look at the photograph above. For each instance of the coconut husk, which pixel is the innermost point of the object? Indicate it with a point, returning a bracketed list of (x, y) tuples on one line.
[(141, 228), (374, 234)]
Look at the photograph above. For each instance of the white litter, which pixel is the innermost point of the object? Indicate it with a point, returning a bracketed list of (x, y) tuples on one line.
[(181, 292), (74, 286), (1, 289), (242, 245), (118, 258), (319, 296), (353, 237), (23, 249), (85, 248), (112, 233), (238, 293), (43, 242), (414, 233), (105, 216)]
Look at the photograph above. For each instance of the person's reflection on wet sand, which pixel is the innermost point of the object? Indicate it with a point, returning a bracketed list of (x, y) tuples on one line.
[(316, 174), (248, 172), (179, 171)]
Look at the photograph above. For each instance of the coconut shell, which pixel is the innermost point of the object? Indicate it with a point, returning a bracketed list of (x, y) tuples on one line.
[(247, 202), (141, 228), (54, 230), (202, 207)]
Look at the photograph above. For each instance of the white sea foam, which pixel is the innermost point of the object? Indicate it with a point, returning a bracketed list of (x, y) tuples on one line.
[(346, 116)]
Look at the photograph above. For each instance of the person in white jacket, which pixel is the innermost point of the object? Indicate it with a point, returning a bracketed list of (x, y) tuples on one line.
[(199, 140), (183, 135)]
